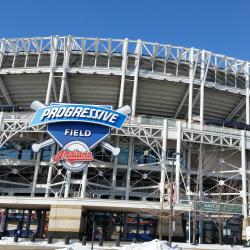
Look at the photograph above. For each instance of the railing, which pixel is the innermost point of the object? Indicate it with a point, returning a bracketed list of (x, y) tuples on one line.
[(146, 120), (219, 65)]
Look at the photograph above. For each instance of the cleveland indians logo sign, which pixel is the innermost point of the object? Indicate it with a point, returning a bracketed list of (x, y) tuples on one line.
[(77, 128)]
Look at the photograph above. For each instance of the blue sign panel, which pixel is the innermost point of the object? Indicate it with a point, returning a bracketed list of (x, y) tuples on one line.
[(78, 113), (77, 128), (90, 134)]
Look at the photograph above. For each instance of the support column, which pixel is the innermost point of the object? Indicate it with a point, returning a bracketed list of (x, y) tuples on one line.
[(177, 162), (244, 172), (114, 174), (136, 77), (84, 182), (247, 94), (54, 42), (244, 184), (202, 89), (163, 160), (163, 172), (67, 184), (2, 50), (50, 170), (67, 47), (38, 159), (65, 220), (191, 82), (189, 190), (130, 163), (124, 70), (200, 183)]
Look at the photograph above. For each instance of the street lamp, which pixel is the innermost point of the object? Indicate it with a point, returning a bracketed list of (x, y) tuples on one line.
[(171, 202)]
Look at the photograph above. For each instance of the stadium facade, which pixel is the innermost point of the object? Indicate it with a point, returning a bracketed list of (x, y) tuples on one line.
[(188, 130)]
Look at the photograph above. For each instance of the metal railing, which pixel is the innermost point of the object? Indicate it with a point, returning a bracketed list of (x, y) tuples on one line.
[(146, 120)]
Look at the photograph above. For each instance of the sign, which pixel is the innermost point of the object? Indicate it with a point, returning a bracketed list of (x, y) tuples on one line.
[(58, 112), (77, 128), (212, 207)]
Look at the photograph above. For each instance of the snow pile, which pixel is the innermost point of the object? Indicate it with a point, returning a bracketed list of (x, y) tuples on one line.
[(151, 245)]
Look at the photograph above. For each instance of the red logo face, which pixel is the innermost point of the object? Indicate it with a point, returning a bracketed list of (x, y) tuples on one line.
[(73, 156)]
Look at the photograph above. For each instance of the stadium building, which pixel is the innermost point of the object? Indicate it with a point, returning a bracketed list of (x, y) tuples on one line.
[(185, 145)]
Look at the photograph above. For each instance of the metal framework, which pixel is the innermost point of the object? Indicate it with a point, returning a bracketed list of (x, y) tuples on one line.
[(198, 70)]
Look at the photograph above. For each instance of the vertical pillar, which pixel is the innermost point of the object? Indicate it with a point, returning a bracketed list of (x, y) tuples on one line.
[(67, 46), (130, 163), (2, 50), (50, 170), (247, 94), (189, 190), (38, 159), (163, 172), (163, 160), (244, 172), (200, 183), (27, 228), (63, 83), (54, 42), (67, 184), (124, 69), (188, 168), (177, 162), (244, 185), (136, 76), (115, 165), (84, 182), (202, 89), (191, 82)]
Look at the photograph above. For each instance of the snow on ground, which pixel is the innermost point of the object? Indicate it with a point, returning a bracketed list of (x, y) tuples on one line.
[(151, 245)]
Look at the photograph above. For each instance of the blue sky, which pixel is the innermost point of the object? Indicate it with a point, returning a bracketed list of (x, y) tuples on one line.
[(222, 26)]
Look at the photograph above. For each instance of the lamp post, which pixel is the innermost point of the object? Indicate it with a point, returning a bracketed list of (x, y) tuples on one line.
[(171, 203)]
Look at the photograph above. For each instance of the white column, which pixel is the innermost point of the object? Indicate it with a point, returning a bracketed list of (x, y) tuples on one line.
[(189, 190), (114, 174), (53, 151), (67, 49), (163, 160), (84, 182), (244, 173), (2, 49), (54, 41), (130, 163), (63, 82), (247, 94), (136, 77), (191, 82), (177, 163), (67, 184), (188, 167), (124, 70), (38, 159), (202, 89)]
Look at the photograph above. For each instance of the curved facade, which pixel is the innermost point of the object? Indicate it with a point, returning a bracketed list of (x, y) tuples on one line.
[(188, 127)]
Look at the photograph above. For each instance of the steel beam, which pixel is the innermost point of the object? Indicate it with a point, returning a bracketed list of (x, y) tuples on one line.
[(244, 173), (5, 92), (191, 84), (124, 70), (84, 182), (184, 98), (136, 76), (178, 162), (163, 160), (130, 164), (236, 109), (247, 94), (114, 173)]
